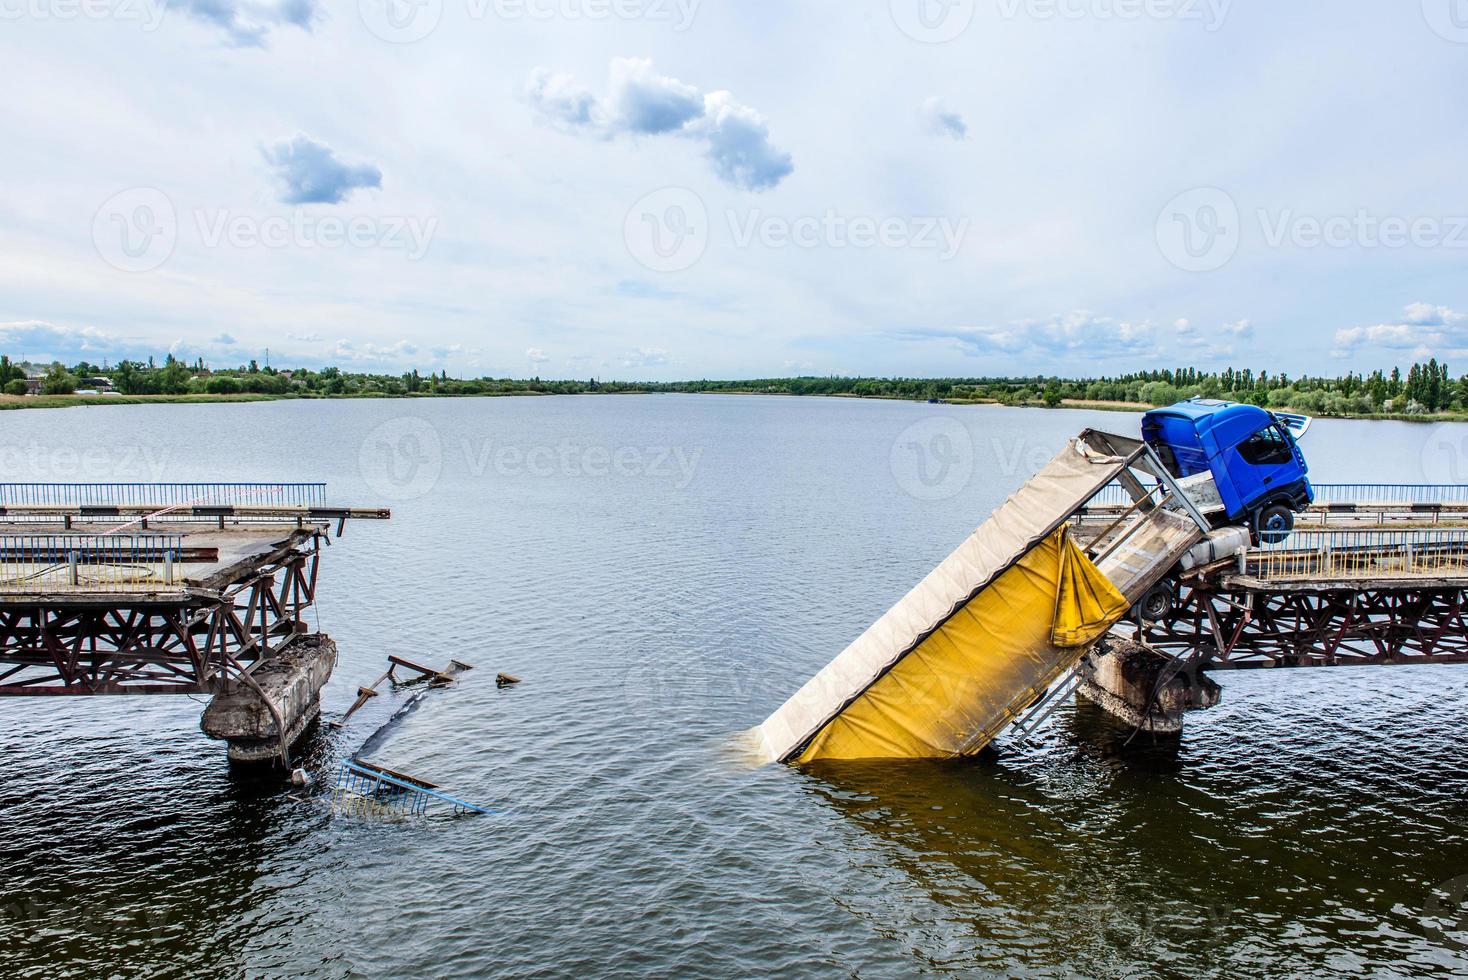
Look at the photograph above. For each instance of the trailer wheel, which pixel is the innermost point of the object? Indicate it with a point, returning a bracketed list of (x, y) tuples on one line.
[(1273, 524), (1157, 602)]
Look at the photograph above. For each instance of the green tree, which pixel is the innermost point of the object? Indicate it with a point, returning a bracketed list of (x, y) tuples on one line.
[(16, 386), (131, 379), (174, 378), (58, 381), (1159, 393)]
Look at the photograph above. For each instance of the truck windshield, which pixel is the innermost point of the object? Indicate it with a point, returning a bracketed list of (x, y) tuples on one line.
[(1267, 447)]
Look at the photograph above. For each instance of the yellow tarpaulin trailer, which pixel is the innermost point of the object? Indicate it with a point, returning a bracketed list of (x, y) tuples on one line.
[(986, 632)]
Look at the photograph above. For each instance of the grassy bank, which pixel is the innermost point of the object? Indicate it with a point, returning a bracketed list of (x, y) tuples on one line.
[(69, 401)]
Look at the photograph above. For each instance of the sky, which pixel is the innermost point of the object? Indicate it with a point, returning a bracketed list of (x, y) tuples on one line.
[(665, 189)]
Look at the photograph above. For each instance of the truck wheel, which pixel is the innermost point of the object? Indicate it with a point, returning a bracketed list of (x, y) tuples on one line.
[(1157, 602), (1273, 524)]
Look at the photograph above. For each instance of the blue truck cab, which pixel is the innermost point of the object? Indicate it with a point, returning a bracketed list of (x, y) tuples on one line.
[(1251, 454)]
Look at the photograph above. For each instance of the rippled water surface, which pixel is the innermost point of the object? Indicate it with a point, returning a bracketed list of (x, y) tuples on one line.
[(662, 571)]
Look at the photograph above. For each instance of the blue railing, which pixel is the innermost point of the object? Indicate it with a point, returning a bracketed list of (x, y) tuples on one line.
[(88, 562), (1115, 494), (160, 494), (367, 791), (1390, 493)]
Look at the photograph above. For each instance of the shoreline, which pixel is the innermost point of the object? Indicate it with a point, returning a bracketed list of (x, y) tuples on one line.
[(23, 402)]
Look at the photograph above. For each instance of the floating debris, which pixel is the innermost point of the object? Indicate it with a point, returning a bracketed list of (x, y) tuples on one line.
[(437, 678)]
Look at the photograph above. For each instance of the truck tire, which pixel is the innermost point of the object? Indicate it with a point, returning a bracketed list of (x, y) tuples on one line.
[(1273, 524), (1157, 603)]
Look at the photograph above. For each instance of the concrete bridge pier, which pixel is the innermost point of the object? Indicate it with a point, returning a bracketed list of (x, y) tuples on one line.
[(291, 683), (1144, 689)]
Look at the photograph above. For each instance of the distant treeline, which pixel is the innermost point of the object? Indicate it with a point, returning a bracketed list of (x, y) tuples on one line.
[(1425, 389)]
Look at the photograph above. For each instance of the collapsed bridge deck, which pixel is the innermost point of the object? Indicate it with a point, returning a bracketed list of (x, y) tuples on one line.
[(155, 589)]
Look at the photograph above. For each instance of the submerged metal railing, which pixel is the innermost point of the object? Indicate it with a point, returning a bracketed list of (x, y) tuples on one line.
[(88, 562), (365, 790), (159, 494), (1336, 555)]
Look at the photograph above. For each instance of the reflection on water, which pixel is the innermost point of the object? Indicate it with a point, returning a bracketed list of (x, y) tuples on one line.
[(1311, 823)]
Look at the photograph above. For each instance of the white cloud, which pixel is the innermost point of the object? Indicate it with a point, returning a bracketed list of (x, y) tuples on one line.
[(247, 23), (349, 352), (563, 101), (1079, 330), (536, 356), (1423, 329), (310, 173), (640, 102), (40, 340), (644, 357), (942, 121)]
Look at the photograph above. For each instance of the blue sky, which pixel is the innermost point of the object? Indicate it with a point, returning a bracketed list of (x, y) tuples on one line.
[(689, 188)]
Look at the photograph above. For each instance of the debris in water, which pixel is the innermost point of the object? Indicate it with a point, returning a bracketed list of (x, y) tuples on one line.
[(438, 678), (366, 789)]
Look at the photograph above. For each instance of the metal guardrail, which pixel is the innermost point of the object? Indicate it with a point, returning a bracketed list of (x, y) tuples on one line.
[(88, 562), (160, 494), (1373, 554), (1390, 493), (366, 790), (1115, 495)]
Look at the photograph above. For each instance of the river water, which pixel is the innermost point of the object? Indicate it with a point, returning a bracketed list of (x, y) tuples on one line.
[(662, 571)]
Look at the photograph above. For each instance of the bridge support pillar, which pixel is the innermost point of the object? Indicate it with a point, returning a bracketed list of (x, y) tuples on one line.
[(1144, 689), (289, 694)]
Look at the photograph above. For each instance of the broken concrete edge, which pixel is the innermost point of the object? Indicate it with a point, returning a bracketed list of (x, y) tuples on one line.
[(268, 751), (292, 679), (1123, 682)]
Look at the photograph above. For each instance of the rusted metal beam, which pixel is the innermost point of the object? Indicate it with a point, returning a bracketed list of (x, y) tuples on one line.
[(1250, 626), (201, 643)]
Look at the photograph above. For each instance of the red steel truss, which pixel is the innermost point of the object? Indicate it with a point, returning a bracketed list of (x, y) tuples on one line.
[(1234, 624), (197, 641)]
